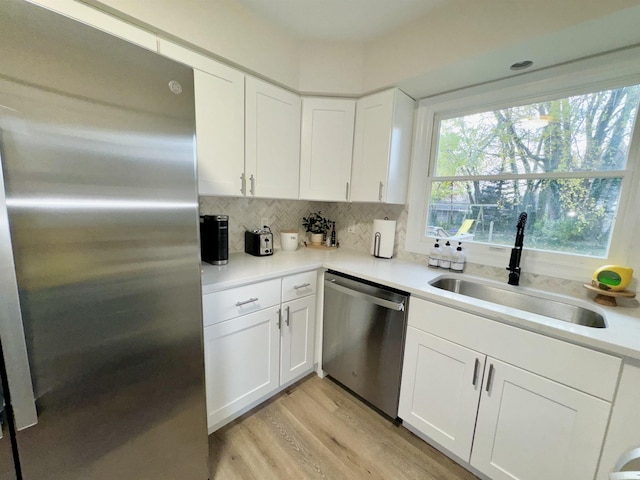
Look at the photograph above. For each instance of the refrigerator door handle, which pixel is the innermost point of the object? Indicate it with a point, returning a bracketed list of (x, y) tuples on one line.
[(14, 345)]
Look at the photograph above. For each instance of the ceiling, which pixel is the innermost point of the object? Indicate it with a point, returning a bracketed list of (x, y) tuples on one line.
[(339, 20), (354, 47)]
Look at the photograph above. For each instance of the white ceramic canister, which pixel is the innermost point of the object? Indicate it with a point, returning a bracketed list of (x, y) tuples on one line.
[(289, 240)]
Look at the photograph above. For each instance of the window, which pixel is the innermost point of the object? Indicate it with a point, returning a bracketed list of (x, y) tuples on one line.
[(561, 161), (560, 144)]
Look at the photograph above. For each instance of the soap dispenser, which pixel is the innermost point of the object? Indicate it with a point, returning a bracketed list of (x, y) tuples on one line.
[(435, 254), (447, 253), (458, 260)]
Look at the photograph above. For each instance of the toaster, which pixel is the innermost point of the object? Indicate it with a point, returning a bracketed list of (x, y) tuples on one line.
[(258, 242)]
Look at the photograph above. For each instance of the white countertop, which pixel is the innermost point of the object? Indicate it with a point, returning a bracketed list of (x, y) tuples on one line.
[(622, 337)]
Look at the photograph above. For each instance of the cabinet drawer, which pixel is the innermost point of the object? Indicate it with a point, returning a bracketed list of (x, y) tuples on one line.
[(235, 302), (299, 285)]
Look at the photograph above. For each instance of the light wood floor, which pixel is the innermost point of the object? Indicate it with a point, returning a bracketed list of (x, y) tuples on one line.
[(317, 430)]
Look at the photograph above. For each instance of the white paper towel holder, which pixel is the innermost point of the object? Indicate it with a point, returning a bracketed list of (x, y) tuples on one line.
[(377, 242)]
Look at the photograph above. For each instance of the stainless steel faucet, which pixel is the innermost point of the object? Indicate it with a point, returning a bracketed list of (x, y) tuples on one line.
[(516, 251)]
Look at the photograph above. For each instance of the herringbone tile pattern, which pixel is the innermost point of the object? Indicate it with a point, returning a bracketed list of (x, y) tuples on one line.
[(246, 213)]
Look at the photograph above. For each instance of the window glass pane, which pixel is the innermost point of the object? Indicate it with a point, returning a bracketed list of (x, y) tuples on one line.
[(588, 132), (567, 215)]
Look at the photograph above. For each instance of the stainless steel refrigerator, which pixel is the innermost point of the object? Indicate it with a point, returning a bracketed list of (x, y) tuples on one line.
[(100, 300)]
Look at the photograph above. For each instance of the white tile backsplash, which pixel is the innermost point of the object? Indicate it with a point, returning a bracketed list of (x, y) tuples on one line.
[(246, 213)]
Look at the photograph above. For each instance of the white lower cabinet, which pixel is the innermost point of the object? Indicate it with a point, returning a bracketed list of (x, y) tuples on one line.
[(530, 428), (241, 362), (441, 384), (297, 338), (508, 422), (258, 338)]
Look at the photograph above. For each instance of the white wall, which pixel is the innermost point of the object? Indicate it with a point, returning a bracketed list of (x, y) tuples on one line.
[(222, 27), (463, 42), (331, 67), (458, 43)]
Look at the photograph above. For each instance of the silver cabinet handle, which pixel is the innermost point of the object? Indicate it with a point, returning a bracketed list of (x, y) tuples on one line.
[(252, 189), (251, 300), (243, 184), (346, 195), (304, 285), (380, 191), (14, 343), (279, 318), (288, 315), (476, 367), (490, 377)]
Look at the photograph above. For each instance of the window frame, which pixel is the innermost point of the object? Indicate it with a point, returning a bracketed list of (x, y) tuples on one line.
[(599, 73)]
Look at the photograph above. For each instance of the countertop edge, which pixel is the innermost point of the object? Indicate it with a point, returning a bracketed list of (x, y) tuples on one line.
[(246, 269)]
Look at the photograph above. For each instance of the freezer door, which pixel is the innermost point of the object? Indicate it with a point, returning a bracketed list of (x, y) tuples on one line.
[(98, 160)]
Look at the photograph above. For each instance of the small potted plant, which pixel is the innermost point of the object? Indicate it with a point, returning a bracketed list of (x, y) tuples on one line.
[(317, 226)]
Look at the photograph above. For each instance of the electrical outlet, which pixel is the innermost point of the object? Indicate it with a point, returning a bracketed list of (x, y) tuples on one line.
[(264, 221), (352, 227)]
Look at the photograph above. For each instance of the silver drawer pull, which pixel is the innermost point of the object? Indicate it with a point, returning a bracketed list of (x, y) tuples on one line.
[(304, 285), (490, 377), (475, 372), (251, 300)]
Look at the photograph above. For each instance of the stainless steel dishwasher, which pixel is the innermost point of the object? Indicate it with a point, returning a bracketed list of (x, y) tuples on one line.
[(363, 338)]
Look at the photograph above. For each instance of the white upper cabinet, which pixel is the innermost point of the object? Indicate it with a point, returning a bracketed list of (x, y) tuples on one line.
[(326, 148), (219, 105), (382, 147), (272, 141), (220, 131)]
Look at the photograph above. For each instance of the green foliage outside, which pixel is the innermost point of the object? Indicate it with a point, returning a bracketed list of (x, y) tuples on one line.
[(497, 165)]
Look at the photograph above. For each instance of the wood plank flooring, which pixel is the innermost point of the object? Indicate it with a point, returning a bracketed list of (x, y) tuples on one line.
[(317, 430)]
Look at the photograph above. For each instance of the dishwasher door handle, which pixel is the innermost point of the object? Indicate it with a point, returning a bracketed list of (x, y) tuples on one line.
[(398, 307)]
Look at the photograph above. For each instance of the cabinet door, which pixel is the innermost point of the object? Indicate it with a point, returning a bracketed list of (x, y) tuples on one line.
[(298, 335), (531, 428), (241, 362), (326, 148), (441, 384), (372, 141), (219, 97), (382, 147), (272, 162)]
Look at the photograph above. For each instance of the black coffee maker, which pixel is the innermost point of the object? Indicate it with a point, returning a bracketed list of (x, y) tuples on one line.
[(214, 239)]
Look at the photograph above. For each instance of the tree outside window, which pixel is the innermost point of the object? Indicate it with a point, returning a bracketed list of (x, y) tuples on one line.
[(562, 161)]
